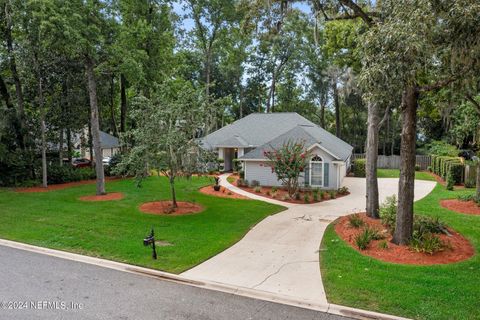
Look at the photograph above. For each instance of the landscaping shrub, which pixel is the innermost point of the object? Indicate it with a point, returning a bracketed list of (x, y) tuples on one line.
[(274, 189), (242, 183), (423, 224), (306, 198), (383, 244), (466, 197), (286, 197), (297, 196), (343, 190), (315, 196), (322, 194), (443, 165), (333, 194), (241, 174), (470, 183), (426, 242), (450, 181), (429, 168), (417, 167), (363, 239), (257, 189), (359, 168), (112, 169), (254, 183), (355, 221), (388, 212), (237, 165), (442, 148), (63, 174)]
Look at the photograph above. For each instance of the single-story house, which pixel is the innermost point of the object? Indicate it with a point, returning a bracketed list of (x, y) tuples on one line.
[(247, 139), (110, 144)]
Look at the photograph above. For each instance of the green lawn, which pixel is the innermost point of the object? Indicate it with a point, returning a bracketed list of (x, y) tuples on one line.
[(115, 229), (395, 173), (428, 292)]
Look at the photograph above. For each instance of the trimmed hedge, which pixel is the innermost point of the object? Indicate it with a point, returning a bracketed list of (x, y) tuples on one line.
[(62, 174), (359, 168), (443, 166)]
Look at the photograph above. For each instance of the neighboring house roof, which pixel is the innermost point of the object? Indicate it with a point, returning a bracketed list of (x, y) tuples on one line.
[(107, 141), (310, 135), (254, 130)]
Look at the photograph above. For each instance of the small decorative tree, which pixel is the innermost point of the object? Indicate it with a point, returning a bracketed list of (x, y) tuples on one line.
[(288, 163), (165, 135)]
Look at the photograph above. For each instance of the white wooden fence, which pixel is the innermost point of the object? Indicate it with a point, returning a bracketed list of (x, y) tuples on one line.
[(393, 162)]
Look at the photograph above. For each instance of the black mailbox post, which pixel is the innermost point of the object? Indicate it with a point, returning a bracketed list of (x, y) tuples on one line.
[(150, 240)]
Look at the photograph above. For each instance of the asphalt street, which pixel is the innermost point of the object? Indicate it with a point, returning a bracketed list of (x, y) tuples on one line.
[(37, 286)]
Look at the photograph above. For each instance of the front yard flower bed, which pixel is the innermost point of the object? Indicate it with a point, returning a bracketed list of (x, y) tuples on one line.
[(302, 196), (351, 228)]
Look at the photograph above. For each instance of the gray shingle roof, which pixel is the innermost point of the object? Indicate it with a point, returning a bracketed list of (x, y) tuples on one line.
[(309, 135), (107, 141), (254, 130)]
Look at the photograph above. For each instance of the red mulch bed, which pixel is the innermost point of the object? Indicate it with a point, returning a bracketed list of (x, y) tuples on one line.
[(165, 207), (281, 193), (223, 193), (467, 207), (460, 248), (104, 197), (60, 186)]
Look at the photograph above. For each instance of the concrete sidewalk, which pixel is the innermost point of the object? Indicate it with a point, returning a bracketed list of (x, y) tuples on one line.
[(280, 254)]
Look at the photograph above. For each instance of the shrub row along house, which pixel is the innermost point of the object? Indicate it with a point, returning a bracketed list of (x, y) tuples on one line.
[(249, 138)]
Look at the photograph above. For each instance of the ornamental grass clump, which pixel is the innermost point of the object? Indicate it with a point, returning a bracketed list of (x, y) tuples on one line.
[(355, 221)]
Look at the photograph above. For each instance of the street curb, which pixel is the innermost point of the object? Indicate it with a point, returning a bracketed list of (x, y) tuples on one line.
[(211, 285)]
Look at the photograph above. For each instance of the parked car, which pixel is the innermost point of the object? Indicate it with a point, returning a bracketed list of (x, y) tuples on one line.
[(81, 163), (106, 161)]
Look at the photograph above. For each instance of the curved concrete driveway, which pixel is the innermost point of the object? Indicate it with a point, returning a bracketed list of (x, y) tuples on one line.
[(280, 254)]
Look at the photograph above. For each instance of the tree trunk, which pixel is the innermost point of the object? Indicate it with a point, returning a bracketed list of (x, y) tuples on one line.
[(42, 130), (69, 145), (478, 181), (322, 115), (274, 84), (172, 188), (44, 151), (97, 148), (60, 148), (240, 106), (406, 185), (16, 78), (371, 161), (337, 110), (112, 106), (90, 143), (123, 103)]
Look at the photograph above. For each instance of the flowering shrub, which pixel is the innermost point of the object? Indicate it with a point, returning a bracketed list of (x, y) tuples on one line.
[(288, 162)]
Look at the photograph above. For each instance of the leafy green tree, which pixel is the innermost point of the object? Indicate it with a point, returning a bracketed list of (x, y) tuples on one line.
[(431, 37), (166, 140)]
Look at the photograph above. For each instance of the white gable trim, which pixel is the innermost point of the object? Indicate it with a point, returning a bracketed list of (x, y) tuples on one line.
[(321, 147)]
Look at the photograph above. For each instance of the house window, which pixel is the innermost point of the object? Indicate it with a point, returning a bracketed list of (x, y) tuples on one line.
[(316, 171)]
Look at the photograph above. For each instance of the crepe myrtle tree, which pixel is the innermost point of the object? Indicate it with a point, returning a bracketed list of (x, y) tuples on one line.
[(165, 135), (288, 162)]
